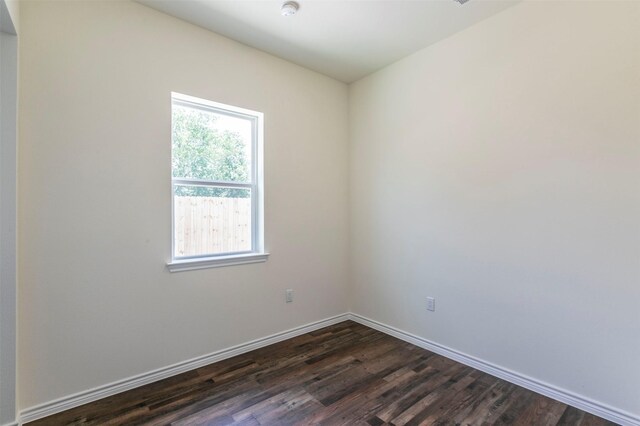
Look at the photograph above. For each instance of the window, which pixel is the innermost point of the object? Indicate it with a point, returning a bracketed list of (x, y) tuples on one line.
[(216, 169)]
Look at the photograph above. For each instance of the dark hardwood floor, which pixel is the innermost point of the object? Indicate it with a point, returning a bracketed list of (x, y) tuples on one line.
[(343, 374)]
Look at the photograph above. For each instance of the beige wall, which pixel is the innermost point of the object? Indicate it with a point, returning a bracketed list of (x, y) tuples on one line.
[(499, 171), (96, 301)]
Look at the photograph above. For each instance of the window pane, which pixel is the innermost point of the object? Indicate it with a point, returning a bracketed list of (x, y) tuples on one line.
[(210, 146), (211, 220)]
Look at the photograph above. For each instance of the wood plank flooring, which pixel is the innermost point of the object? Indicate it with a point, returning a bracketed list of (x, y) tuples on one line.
[(346, 374)]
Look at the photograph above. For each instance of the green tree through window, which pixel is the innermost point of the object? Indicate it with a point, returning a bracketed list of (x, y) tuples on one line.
[(200, 151)]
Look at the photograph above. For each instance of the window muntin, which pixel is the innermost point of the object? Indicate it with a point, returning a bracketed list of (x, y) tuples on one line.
[(216, 179)]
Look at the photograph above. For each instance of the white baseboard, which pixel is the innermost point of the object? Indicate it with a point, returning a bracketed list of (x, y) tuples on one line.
[(75, 400), (562, 395), (11, 424)]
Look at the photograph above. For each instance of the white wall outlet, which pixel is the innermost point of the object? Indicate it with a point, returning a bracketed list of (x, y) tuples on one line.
[(288, 295), (431, 304)]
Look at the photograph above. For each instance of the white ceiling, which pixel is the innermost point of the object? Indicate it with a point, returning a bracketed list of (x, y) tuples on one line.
[(344, 39)]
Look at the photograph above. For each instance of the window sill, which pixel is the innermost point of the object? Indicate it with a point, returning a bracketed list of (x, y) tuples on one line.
[(216, 262)]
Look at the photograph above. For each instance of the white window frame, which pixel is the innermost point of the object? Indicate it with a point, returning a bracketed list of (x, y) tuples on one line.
[(257, 252)]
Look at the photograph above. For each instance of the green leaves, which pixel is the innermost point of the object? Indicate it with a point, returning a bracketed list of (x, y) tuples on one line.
[(202, 151)]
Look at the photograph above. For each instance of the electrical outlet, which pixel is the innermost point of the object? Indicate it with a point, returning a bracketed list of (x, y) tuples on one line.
[(288, 295), (431, 304)]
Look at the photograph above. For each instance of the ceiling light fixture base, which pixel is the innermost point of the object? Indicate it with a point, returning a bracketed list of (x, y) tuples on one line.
[(289, 8)]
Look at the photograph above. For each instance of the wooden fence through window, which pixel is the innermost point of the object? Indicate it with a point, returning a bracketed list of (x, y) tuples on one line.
[(211, 225)]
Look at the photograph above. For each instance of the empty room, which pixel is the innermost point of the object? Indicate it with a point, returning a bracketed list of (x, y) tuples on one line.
[(314, 212)]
